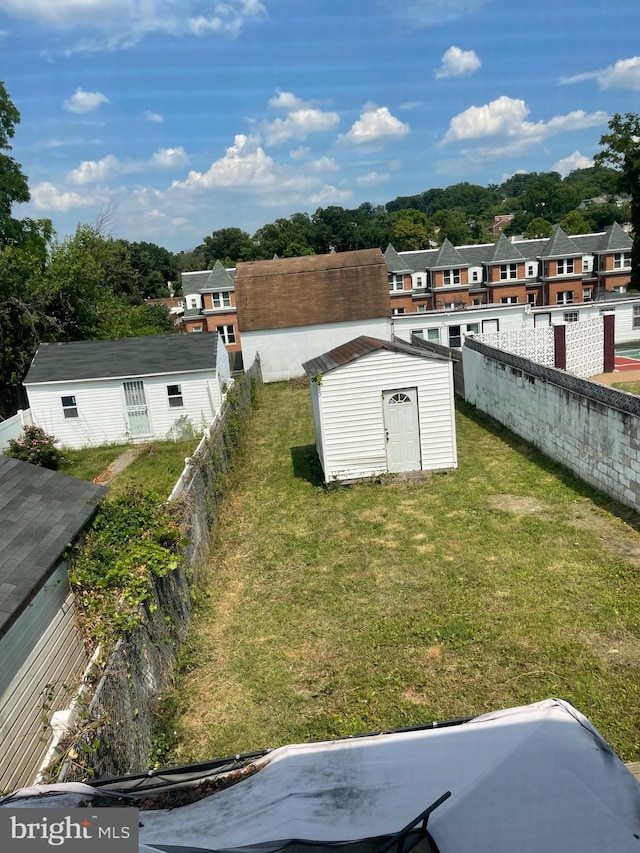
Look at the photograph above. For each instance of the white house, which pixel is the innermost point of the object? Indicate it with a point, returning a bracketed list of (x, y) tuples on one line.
[(133, 389), (289, 309), (381, 406)]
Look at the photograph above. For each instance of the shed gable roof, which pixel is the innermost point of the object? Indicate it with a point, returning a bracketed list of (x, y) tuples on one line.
[(359, 347), (41, 512), (124, 357), (311, 290)]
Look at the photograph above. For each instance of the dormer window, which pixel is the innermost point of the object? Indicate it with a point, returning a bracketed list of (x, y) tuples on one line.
[(451, 277), (508, 271), (565, 266)]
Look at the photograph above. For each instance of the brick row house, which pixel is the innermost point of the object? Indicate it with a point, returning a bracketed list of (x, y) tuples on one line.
[(556, 271), (560, 270)]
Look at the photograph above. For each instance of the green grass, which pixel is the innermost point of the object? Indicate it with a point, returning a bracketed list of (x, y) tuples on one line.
[(157, 467), (87, 463), (328, 612), (629, 387)]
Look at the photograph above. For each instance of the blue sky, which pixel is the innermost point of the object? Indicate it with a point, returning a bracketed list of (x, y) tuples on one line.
[(184, 116)]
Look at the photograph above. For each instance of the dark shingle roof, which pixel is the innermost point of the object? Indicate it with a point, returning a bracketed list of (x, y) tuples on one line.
[(358, 347), (312, 290), (394, 262), (41, 512), (149, 356), (448, 256), (218, 278), (559, 245), (505, 251), (615, 239)]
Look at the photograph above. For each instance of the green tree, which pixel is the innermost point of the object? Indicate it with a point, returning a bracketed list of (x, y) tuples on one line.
[(410, 230), (13, 184), (537, 228), (227, 245), (575, 223), (453, 225), (621, 150), (286, 238)]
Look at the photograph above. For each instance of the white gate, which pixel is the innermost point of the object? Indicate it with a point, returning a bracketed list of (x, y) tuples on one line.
[(402, 431), (136, 406)]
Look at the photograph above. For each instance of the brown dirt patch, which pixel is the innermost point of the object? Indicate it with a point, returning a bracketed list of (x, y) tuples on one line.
[(616, 650), (519, 504)]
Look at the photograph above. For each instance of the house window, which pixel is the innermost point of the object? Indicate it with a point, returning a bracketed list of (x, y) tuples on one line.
[(531, 299), (396, 281), (508, 271), (398, 311), (475, 275), (418, 281), (422, 309), (451, 277), (193, 301), (433, 335), (621, 260), (530, 271), (564, 297), (228, 334), (417, 333), (174, 393), (636, 317), (565, 267), (197, 328), (586, 263), (509, 300), (221, 299), (477, 301), (608, 310), (180, 303), (570, 316), (587, 294), (472, 328), (69, 406)]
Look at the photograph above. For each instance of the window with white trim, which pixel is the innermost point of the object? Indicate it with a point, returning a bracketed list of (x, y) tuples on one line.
[(587, 261), (472, 328), (564, 297), (228, 334), (570, 316), (475, 275), (508, 271), (422, 309), (69, 406), (531, 270), (621, 260), (635, 323), (174, 395), (197, 328), (450, 277), (221, 299), (565, 266), (587, 294), (509, 300), (417, 333), (193, 302), (397, 311), (419, 281), (531, 298), (396, 281), (433, 335)]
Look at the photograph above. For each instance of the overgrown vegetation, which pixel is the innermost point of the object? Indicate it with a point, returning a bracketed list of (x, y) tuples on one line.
[(36, 446), (133, 538), (332, 612), (88, 462)]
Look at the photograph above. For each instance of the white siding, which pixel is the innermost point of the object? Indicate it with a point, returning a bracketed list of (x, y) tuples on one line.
[(101, 407), (42, 659), (283, 351), (350, 400)]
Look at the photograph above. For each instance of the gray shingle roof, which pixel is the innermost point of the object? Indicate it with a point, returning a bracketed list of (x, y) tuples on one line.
[(559, 245), (505, 251), (41, 512), (615, 239), (358, 347), (394, 262), (125, 357), (448, 256), (218, 278)]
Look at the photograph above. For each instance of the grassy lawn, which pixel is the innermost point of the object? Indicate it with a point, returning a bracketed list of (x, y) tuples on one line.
[(327, 612), (629, 387), (157, 465)]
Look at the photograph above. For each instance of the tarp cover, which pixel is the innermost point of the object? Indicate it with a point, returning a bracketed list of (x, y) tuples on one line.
[(528, 779)]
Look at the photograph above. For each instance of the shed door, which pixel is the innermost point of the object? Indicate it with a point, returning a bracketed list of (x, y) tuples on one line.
[(402, 431), (136, 406)]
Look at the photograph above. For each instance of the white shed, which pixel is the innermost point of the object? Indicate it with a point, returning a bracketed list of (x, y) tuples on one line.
[(133, 389), (381, 406)]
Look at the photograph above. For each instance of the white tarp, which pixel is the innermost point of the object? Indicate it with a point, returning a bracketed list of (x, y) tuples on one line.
[(527, 779)]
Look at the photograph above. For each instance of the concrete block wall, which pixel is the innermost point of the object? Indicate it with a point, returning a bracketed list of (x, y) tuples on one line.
[(591, 429)]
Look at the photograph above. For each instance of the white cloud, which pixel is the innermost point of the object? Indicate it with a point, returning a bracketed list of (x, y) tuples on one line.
[(375, 128), (287, 101), (244, 164), (372, 179), (410, 105), (46, 196), (300, 153), (93, 171), (507, 117), (169, 158), (573, 161), (325, 164), (298, 125), (155, 117), (123, 23), (330, 194), (84, 102), (458, 63), (624, 74), (429, 13)]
